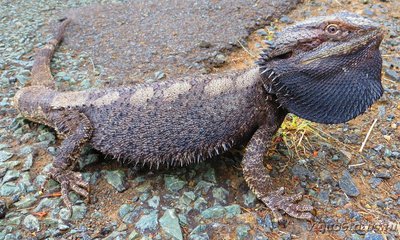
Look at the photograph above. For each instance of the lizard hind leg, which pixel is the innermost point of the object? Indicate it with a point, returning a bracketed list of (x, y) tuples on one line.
[(260, 182), (76, 128)]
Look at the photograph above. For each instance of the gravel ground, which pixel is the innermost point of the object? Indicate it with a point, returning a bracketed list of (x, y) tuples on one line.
[(208, 200), (150, 40)]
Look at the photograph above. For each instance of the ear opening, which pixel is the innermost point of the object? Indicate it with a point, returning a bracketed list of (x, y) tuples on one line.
[(285, 55)]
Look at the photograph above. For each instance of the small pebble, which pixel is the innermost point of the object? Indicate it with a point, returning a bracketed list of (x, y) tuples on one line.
[(219, 60), (267, 223), (285, 19), (169, 222), (214, 212), (204, 44), (8, 189), (31, 223), (210, 175), (392, 74), (242, 232), (134, 235), (384, 175), (11, 175), (396, 188), (373, 236), (147, 222), (200, 204), (347, 184), (28, 162), (220, 194), (5, 155), (374, 182), (63, 227), (159, 75), (173, 183), (368, 12), (326, 176), (232, 210), (303, 173), (323, 196), (3, 209), (154, 202), (262, 32), (249, 199), (117, 179), (25, 202), (203, 186), (125, 209)]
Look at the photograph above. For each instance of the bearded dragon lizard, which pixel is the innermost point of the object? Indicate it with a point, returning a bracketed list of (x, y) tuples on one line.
[(325, 69)]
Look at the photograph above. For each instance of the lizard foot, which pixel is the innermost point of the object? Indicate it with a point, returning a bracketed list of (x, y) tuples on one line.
[(276, 201), (69, 180)]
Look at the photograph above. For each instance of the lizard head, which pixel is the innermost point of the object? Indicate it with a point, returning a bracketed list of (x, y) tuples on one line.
[(325, 69)]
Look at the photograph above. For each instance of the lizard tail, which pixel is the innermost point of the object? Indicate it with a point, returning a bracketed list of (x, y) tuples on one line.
[(31, 101), (41, 74)]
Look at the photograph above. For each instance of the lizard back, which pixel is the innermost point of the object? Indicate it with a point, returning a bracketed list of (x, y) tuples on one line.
[(177, 121)]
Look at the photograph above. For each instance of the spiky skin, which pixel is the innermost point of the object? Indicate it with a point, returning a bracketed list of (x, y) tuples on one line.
[(186, 120)]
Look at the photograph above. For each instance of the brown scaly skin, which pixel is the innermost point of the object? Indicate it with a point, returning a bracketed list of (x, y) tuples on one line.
[(185, 120)]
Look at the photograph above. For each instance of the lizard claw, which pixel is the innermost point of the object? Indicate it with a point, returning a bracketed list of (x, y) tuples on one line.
[(276, 201), (69, 180)]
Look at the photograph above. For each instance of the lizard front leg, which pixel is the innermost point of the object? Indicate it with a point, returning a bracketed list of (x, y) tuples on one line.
[(77, 130), (260, 182)]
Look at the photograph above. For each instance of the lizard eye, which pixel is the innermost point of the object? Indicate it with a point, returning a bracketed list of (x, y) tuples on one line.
[(332, 29)]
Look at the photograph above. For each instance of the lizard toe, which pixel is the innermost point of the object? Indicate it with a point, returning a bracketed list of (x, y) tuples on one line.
[(277, 201), (70, 181), (64, 194)]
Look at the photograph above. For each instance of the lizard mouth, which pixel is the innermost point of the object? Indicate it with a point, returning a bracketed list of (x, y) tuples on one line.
[(368, 40)]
